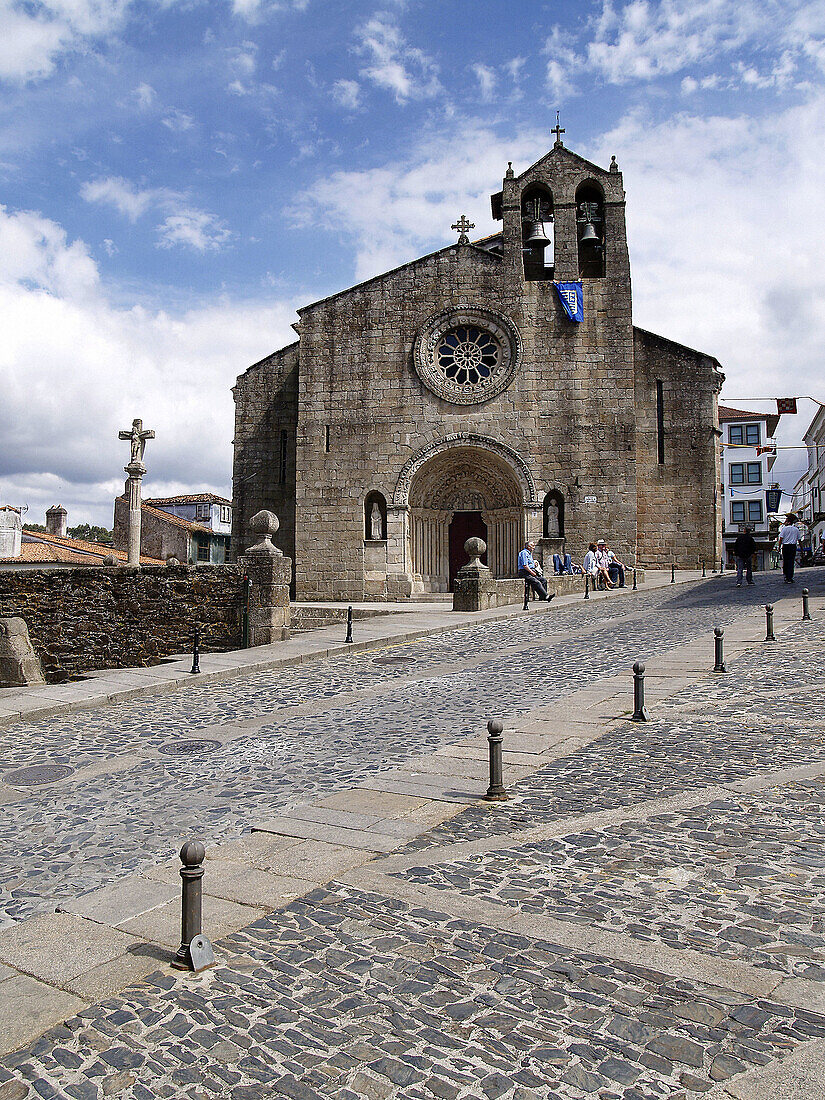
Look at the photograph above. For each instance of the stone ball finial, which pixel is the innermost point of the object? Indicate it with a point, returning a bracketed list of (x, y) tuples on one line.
[(495, 727), (474, 548), (614, 167), (265, 524), (109, 559), (192, 853)]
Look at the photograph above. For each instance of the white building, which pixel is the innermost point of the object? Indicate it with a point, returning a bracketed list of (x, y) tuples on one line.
[(809, 491), (748, 454)]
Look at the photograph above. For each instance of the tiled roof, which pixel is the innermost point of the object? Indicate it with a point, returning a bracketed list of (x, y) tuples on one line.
[(54, 548), (191, 498), (175, 521), (727, 413)]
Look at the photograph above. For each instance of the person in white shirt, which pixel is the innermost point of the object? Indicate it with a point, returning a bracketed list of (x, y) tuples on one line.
[(603, 564), (789, 536), (589, 564)]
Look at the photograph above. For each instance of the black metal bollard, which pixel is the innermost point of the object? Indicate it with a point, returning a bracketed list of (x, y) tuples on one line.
[(704, 574), (587, 586), (196, 652), (806, 611), (769, 636), (634, 580), (718, 650), (673, 573), (496, 791), (349, 625), (526, 593), (639, 712), (195, 951), (721, 565)]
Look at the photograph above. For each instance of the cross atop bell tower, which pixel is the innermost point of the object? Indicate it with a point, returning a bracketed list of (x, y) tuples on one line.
[(558, 131)]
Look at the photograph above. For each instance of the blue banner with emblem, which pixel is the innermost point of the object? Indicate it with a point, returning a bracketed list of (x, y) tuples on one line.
[(572, 300), (772, 499)]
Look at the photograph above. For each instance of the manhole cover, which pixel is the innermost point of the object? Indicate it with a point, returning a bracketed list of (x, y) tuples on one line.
[(393, 660), (188, 748), (37, 775)]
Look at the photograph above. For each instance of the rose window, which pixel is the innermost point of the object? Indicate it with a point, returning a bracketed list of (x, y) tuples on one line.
[(467, 355)]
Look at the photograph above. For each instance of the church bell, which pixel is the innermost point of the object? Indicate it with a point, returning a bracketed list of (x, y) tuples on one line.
[(537, 238), (590, 236)]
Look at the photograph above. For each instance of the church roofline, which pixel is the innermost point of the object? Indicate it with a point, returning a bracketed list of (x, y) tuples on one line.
[(392, 271), (558, 150), (278, 351), (685, 347)]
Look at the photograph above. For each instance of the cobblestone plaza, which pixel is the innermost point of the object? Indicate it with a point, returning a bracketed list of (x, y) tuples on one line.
[(645, 918)]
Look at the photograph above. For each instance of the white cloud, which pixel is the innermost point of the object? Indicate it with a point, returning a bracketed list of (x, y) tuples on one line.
[(487, 81), (145, 95), (647, 39), (254, 11), (393, 64), (74, 370), (33, 35), (563, 63), (178, 121), (716, 209), (194, 228), (183, 224), (393, 213), (347, 94)]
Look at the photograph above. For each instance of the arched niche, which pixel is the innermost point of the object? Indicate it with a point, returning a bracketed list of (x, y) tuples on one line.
[(375, 522), (553, 515), (590, 229), (536, 226)]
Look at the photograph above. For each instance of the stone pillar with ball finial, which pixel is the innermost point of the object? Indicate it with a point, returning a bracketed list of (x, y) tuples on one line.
[(270, 573)]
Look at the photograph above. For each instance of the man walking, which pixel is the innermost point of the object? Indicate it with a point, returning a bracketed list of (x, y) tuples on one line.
[(529, 571), (789, 540), (743, 549)]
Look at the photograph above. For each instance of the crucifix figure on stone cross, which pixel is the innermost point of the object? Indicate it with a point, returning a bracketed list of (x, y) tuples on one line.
[(461, 227), (137, 437)]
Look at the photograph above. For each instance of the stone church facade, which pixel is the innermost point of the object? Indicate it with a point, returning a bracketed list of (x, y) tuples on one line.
[(453, 397)]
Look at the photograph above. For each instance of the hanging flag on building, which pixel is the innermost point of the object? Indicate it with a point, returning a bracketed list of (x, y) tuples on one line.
[(786, 405), (572, 299), (772, 499)]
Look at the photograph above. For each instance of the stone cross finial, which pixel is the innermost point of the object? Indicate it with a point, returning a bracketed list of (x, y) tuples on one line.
[(558, 130), (461, 227), (137, 437)]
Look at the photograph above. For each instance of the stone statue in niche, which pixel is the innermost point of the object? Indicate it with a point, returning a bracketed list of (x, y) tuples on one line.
[(375, 523), (553, 520)]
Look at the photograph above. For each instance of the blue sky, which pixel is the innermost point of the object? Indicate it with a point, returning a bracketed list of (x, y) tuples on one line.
[(176, 177)]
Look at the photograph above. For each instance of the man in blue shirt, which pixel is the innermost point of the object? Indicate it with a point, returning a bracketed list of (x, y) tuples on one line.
[(529, 570)]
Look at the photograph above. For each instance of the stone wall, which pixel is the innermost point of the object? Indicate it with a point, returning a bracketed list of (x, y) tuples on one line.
[(266, 405), (103, 617), (678, 499)]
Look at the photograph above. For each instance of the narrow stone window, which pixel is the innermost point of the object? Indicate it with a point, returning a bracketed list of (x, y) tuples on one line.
[(660, 421), (326, 438), (282, 462)]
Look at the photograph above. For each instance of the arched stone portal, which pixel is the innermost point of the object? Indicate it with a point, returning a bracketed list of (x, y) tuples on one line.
[(461, 491)]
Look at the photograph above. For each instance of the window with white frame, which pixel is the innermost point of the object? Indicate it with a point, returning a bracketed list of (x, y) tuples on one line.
[(754, 473), (737, 473), (202, 511), (737, 511), (226, 514), (754, 511), (744, 435)]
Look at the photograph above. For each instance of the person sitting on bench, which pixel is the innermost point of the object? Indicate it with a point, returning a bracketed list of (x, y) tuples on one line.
[(528, 569)]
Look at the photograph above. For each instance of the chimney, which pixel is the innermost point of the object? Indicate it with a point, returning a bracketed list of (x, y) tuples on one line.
[(56, 520)]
